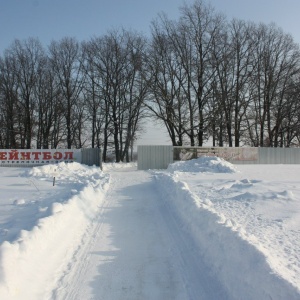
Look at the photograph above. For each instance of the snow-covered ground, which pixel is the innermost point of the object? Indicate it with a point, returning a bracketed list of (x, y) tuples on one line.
[(42, 225), (203, 229)]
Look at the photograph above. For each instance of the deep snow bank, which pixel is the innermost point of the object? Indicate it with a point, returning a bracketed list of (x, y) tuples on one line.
[(35, 259), (203, 164), (241, 267), (117, 166)]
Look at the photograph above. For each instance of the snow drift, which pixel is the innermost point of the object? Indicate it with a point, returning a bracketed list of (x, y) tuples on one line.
[(234, 255), (233, 231), (203, 164), (46, 248)]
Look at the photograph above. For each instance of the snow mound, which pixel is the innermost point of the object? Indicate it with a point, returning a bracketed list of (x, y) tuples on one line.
[(117, 166), (234, 256), (210, 164), (19, 202), (44, 249), (72, 170)]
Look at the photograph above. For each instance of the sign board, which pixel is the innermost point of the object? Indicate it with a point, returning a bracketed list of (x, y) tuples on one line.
[(38, 156), (229, 154)]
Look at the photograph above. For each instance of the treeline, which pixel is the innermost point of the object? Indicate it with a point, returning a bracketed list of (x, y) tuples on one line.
[(73, 95), (205, 78)]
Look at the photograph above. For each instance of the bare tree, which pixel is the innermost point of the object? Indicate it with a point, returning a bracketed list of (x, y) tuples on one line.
[(135, 89), (200, 24), (114, 67), (277, 62), (65, 59), (48, 108), (92, 94), (9, 103), (231, 59), (26, 59), (165, 77), (189, 67)]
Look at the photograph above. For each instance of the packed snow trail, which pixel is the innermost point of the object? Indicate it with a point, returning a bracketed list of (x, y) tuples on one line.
[(138, 251)]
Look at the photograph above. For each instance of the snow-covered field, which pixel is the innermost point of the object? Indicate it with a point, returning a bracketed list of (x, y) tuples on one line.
[(203, 229)]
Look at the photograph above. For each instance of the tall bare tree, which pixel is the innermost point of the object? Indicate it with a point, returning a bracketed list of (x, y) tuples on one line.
[(27, 59), (9, 103), (114, 66), (277, 62), (165, 77), (65, 59)]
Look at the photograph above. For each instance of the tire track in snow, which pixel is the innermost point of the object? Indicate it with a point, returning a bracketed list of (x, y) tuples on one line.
[(138, 250), (69, 282), (200, 282)]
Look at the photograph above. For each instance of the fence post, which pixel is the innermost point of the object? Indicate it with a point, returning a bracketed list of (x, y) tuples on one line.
[(100, 158)]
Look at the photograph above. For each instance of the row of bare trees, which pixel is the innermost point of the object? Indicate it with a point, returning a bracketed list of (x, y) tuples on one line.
[(232, 83), (205, 78), (74, 94)]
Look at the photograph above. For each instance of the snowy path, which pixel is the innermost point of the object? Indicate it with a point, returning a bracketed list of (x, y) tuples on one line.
[(137, 250), (199, 230)]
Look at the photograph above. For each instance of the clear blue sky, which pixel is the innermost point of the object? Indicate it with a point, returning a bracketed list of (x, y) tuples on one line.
[(54, 19), (285, 13)]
